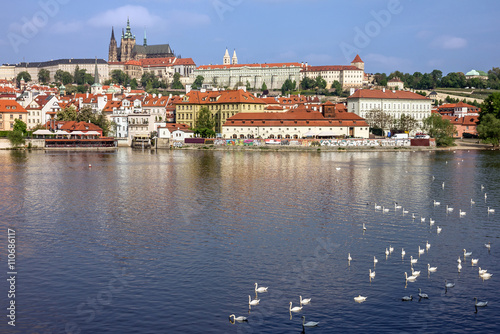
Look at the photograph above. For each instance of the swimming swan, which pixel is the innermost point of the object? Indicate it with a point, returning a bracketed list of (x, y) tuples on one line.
[(261, 289), (309, 323)]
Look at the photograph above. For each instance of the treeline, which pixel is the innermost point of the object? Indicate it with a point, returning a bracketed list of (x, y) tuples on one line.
[(435, 79)]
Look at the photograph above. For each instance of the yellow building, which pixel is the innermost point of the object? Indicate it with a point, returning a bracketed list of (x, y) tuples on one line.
[(222, 105), (10, 111)]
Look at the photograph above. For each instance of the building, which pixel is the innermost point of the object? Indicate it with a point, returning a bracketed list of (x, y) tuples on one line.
[(393, 102), (458, 110), (476, 74), (348, 76), (464, 126), (332, 122), (395, 83), (130, 50), (222, 104), (10, 111), (175, 131), (39, 107)]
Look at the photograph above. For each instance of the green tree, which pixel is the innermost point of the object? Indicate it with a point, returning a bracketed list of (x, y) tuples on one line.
[(264, 86), (406, 123), (205, 123), (20, 126), (377, 119), (88, 79), (63, 76), (133, 84), (121, 77), (67, 114), (248, 86), (198, 82), (439, 128), (70, 89), (491, 105), (176, 84), (288, 86), (489, 130), (16, 136), (44, 76), (23, 75), (320, 82)]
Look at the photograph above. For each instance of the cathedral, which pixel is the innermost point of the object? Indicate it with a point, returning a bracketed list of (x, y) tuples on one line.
[(129, 50)]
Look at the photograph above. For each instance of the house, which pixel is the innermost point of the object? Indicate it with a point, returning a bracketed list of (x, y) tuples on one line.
[(459, 109), (175, 131), (349, 76), (39, 107), (10, 110), (395, 83)]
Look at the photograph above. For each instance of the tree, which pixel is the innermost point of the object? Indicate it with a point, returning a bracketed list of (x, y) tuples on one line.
[(248, 86), (23, 75), (440, 129), (264, 86), (176, 84), (338, 88), (287, 86), (491, 105), (489, 130), (67, 114), (198, 82), (320, 82), (377, 119), (205, 123), (63, 77), (70, 89), (120, 77), (20, 126), (406, 123), (133, 84), (16, 136), (44, 76)]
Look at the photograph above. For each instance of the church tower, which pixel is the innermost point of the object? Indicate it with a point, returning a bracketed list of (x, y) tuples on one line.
[(127, 44), (235, 59), (113, 48), (227, 59), (358, 63)]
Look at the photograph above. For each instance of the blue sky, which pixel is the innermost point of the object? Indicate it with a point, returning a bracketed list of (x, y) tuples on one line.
[(389, 35)]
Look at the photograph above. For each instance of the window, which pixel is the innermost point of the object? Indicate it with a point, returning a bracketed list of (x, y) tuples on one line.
[(21, 117), (11, 116)]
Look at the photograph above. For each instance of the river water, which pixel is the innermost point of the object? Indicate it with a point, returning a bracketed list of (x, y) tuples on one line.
[(174, 241)]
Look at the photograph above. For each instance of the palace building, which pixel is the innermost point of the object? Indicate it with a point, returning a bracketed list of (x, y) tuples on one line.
[(129, 50)]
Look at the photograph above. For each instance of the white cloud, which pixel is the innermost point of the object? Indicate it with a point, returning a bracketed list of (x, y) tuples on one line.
[(449, 42)]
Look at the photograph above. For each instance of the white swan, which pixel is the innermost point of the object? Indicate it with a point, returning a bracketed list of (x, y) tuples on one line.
[(482, 187), (407, 299), (431, 269), (309, 323), (403, 252), (448, 285), (364, 227), (405, 211), (491, 210), (422, 295), (295, 309), (436, 203), (372, 274), (449, 209), (439, 229), (410, 278), (375, 260), (420, 250), (396, 206), (485, 196), (462, 213), (386, 252), (261, 289), (459, 260), (391, 249), (359, 299), (467, 253), (415, 272), (443, 182), (413, 216), (488, 245), (253, 302), (474, 261), (240, 318), (472, 202), (427, 245), (412, 260), (482, 271), (486, 276), (304, 301), (479, 304), (377, 207), (384, 209), (459, 266), (349, 258), (431, 221), (422, 219)]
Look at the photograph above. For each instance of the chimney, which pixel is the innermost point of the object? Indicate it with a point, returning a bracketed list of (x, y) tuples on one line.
[(383, 90)]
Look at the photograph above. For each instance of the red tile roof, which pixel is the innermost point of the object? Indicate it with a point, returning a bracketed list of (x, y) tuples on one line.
[(220, 97), (357, 59), (11, 106), (388, 94), (330, 68)]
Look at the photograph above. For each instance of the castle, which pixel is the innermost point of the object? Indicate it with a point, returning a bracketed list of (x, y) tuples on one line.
[(129, 50)]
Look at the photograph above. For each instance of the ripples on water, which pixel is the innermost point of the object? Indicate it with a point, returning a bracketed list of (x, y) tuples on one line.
[(190, 232)]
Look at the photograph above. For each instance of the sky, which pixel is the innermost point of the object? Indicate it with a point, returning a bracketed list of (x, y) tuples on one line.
[(389, 35)]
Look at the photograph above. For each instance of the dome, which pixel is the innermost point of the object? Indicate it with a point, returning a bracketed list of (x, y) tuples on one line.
[(472, 72)]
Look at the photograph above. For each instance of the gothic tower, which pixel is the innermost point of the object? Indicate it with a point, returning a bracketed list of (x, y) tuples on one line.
[(113, 48), (235, 59), (127, 44), (227, 59)]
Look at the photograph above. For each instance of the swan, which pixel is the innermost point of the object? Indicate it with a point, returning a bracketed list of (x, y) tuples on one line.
[(472, 202), (309, 323), (384, 209), (295, 309), (459, 260), (482, 187), (412, 260), (413, 216), (375, 260), (427, 245), (462, 213), (443, 182), (337, 168), (491, 210), (391, 249), (449, 209), (304, 301), (410, 278), (415, 272), (372, 274), (420, 250), (485, 196), (422, 219), (474, 261), (482, 271), (479, 304), (377, 207), (403, 252), (396, 206), (431, 269), (422, 295), (359, 299), (386, 252), (431, 221), (261, 289), (438, 230), (364, 227), (436, 203), (349, 258), (486, 276), (240, 318), (253, 302), (467, 253), (407, 299), (459, 266), (448, 285), (405, 211), (488, 245)]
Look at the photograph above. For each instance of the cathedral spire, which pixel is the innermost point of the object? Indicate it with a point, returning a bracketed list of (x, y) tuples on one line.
[(112, 33), (145, 38), (128, 32), (234, 59), (96, 73), (226, 60)]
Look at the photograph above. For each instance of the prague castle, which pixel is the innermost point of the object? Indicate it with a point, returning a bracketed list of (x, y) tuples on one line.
[(129, 50)]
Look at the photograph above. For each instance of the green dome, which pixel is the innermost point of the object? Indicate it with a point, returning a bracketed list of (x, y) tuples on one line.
[(472, 72)]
